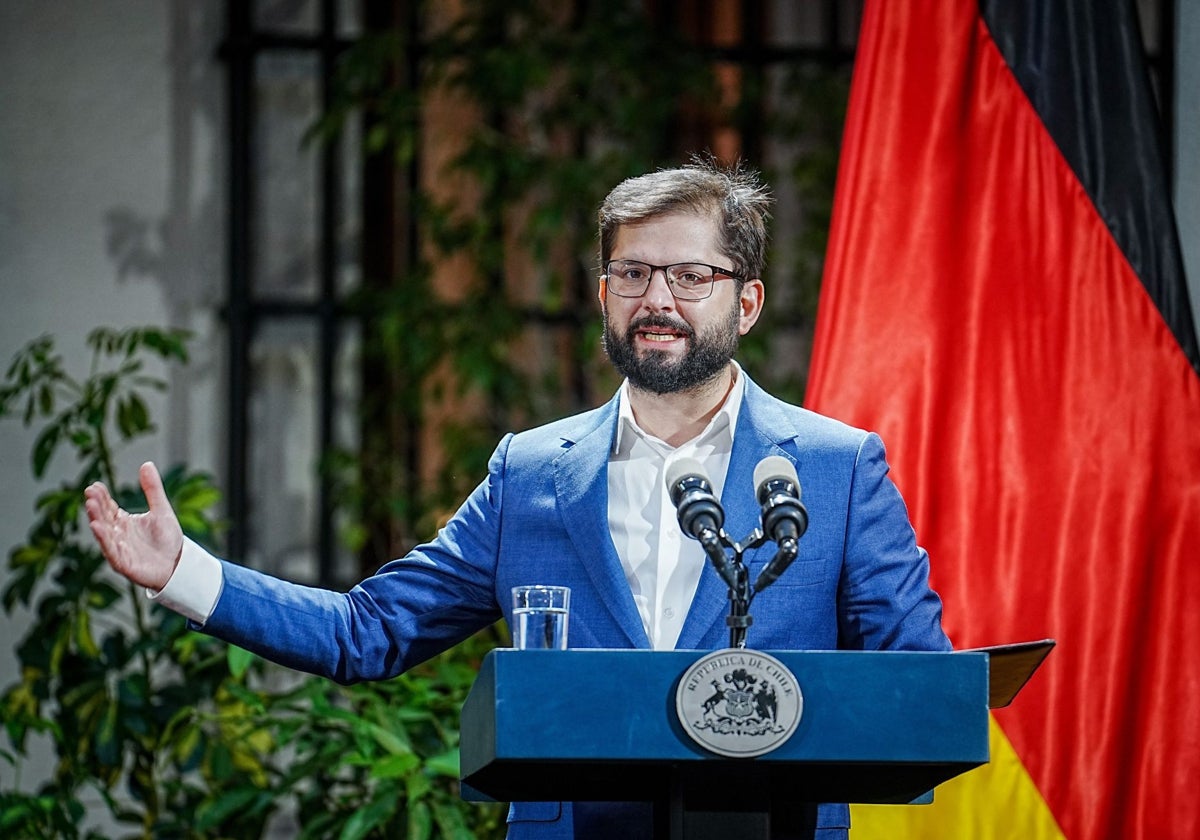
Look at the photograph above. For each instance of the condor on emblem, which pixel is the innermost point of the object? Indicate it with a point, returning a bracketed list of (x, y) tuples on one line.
[(739, 703)]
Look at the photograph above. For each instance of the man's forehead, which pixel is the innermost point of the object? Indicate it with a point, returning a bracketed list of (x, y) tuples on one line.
[(701, 226)]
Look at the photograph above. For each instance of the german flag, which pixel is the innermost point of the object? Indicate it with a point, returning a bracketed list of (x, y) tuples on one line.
[(1004, 302)]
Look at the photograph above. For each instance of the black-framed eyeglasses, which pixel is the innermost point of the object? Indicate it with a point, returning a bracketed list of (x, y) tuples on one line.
[(687, 281)]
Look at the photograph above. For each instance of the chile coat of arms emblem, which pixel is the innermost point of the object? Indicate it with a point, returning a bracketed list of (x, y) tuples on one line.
[(739, 703)]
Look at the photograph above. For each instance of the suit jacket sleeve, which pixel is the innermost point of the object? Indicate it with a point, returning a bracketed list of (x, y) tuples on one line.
[(885, 599), (410, 610)]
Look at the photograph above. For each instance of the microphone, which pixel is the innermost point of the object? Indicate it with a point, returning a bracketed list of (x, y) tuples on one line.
[(691, 493), (784, 518), (699, 511)]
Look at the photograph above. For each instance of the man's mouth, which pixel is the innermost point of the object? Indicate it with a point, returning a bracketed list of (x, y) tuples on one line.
[(659, 336), (660, 333)]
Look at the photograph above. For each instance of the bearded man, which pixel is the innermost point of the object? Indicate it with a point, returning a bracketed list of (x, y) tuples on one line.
[(582, 502)]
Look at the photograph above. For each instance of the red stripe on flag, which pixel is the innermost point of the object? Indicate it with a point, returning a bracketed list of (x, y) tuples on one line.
[(1040, 417)]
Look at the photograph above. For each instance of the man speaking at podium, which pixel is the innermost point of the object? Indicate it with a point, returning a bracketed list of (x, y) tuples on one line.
[(582, 502)]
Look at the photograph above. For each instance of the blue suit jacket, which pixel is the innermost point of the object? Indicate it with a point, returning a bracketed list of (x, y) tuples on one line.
[(541, 516)]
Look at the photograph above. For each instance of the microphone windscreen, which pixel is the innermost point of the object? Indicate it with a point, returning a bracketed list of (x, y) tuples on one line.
[(683, 468), (775, 467)]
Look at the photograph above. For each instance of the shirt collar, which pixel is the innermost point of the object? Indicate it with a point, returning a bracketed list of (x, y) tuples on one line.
[(725, 420)]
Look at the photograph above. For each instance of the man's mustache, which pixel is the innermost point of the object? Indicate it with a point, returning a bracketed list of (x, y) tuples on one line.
[(661, 321)]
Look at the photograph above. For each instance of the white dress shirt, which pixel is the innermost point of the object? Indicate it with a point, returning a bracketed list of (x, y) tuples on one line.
[(195, 586), (661, 564)]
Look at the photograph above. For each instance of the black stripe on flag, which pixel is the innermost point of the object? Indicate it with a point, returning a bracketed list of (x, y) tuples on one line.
[(1080, 62)]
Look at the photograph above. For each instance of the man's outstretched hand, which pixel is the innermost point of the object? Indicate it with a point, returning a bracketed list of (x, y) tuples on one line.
[(143, 547)]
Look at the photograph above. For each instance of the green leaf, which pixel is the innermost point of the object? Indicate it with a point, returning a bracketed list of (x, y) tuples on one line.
[(239, 660), (364, 820), (214, 812), (450, 822), (444, 764), (102, 596), (417, 786), (394, 766), (394, 742), (107, 741), (420, 822), (46, 400), (116, 651), (167, 343), (34, 554), (133, 418), (188, 747), (134, 692), (137, 419), (55, 500), (43, 448), (220, 762), (83, 635), (102, 339)]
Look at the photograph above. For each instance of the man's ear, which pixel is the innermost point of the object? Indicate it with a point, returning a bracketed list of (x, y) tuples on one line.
[(751, 304), (602, 292)]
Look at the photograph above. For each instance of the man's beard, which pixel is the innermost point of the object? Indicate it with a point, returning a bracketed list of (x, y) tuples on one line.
[(705, 356)]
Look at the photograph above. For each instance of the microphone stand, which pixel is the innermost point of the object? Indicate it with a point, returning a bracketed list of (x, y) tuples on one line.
[(739, 619)]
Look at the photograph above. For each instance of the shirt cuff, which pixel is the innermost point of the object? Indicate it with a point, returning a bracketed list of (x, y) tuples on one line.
[(194, 587)]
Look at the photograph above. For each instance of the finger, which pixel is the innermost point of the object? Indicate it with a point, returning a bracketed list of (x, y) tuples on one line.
[(152, 486), (111, 509), (107, 540), (92, 506), (98, 502)]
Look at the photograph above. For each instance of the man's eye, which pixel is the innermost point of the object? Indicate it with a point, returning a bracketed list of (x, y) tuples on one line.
[(633, 273)]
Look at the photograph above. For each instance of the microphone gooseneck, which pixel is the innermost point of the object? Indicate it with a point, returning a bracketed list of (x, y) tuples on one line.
[(784, 518)]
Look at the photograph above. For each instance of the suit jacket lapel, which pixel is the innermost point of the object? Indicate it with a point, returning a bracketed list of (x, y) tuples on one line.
[(581, 484), (760, 429)]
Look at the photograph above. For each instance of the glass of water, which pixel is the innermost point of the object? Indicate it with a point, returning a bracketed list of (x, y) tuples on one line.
[(540, 616)]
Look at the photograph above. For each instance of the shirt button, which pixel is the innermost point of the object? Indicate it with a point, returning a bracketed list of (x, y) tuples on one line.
[(668, 613)]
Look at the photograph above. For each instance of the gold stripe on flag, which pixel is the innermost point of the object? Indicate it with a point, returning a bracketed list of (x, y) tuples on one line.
[(997, 801)]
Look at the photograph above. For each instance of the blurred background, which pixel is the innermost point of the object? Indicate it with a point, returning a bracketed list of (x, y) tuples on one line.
[(376, 220)]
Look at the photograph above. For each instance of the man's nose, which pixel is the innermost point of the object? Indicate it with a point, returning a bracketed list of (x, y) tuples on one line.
[(658, 294)]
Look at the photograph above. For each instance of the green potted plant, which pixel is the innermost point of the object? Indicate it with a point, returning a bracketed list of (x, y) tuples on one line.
[(180, 735)]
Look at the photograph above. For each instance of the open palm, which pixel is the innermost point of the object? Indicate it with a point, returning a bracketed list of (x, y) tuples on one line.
[(143, 547)]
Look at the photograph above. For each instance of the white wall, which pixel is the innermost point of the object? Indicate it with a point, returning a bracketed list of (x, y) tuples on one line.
[(111, 213)]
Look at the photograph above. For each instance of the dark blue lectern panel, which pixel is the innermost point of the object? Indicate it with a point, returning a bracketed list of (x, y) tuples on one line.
[(600, 725)]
